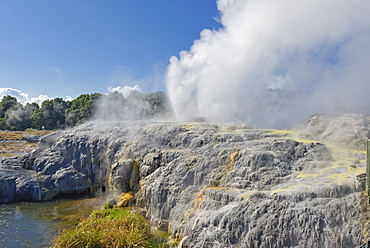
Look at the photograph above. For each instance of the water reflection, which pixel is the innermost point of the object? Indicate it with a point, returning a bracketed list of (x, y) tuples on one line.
[(30, 224)]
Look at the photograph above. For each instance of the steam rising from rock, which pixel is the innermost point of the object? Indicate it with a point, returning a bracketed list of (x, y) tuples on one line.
[(130, 104), (275, 62)]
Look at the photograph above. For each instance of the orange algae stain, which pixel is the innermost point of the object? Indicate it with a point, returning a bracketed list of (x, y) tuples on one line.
[(126, 199)]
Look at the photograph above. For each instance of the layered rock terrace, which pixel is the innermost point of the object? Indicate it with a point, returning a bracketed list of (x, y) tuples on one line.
[(212, 185)]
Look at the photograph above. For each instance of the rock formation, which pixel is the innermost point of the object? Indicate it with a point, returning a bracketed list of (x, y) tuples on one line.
[(210, 185)]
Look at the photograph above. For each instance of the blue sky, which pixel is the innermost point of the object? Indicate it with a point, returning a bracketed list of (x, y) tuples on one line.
[(73, 47)]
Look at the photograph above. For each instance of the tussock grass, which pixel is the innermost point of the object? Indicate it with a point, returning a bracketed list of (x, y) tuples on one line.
[(21, 135), (13, 143), (13, 148), (109, 228)]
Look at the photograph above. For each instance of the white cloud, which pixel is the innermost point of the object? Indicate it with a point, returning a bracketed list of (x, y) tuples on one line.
[(39, 99), (126, 90), (276, 62), (69, 98), (22, 97)]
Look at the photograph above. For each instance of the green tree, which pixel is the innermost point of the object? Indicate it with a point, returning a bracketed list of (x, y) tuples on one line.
[(38, 119), (57, 113), (2, 124), (6, 103), (81, 109), (51, 115)]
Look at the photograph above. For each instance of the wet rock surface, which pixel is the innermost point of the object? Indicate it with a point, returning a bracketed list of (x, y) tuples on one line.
[(207, 185)]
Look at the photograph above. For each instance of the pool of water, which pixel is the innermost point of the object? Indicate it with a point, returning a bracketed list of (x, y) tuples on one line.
[(35, 224)]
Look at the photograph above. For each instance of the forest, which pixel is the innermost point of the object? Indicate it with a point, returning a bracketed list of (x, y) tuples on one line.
[(60, 114)]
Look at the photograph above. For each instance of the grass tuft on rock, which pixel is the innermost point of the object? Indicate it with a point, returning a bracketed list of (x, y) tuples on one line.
[(109, 228)]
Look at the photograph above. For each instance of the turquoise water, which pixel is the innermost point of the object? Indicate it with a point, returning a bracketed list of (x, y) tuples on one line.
[(30, 224)]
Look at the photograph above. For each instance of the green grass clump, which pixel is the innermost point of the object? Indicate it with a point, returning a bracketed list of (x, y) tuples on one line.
[(109, 228)]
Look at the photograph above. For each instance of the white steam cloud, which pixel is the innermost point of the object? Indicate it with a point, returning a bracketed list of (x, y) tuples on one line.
[(123, 104), (275, 62)]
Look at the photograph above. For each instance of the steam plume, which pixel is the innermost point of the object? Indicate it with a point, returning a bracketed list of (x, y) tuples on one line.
[(275, 62), (130, 104)]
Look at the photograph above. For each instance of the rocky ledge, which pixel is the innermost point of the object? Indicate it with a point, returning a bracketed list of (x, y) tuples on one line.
[(212, 185)]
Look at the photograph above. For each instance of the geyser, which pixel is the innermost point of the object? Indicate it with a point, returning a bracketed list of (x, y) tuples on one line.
[(274, 63)]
